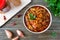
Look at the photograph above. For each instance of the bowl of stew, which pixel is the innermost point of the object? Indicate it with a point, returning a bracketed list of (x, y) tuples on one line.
[(37, 19)]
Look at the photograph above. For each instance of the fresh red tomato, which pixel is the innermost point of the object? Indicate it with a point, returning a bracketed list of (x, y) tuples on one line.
[(2, 4)]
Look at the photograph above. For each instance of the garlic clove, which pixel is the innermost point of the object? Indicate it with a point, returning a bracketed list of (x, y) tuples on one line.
[(20, 33), (9, 34), (16, 38)]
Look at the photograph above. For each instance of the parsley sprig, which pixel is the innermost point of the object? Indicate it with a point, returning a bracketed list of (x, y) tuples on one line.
[(32, 17), (54, 6)]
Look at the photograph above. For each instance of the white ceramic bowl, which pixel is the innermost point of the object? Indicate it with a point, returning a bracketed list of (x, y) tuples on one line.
[(43, 30)]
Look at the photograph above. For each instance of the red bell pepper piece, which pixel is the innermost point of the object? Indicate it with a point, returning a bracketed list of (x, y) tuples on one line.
[(2, 4)]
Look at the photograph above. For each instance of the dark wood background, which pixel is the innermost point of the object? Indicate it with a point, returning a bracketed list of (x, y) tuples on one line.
[(55, 27)]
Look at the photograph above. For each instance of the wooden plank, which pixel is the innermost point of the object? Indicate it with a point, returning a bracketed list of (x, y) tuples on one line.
[(31, 36), (55, 27)]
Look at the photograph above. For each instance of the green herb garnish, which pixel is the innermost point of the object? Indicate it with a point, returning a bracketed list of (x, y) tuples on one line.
[(54, 6), (32, 17), (53, 34)]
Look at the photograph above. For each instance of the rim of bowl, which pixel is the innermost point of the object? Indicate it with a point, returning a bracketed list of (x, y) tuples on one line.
[(43, 30)]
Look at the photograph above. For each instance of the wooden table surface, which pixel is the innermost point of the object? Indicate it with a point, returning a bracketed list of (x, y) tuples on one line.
[(55, 27)]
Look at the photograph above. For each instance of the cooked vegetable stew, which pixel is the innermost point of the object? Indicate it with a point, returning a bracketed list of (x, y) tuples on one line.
[(37, 19)]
